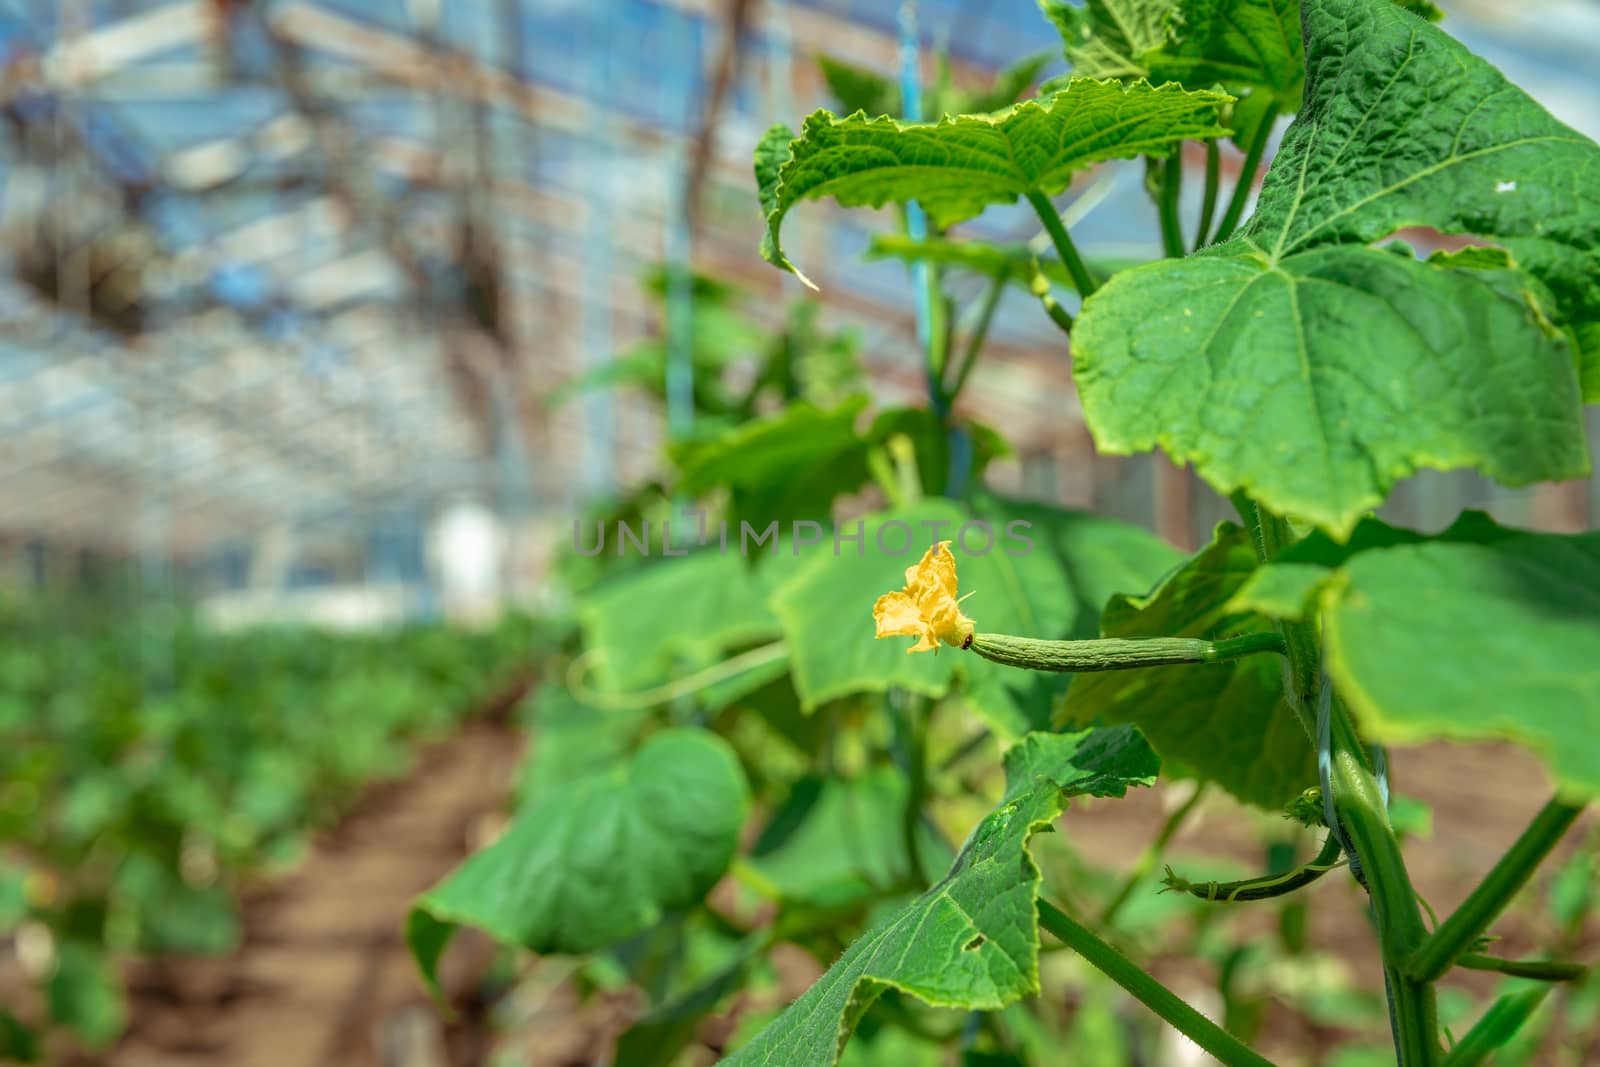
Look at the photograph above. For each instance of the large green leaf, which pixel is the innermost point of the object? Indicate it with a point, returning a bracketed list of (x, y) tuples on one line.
[(972, 941), (1109, 38), (695, 608), (782, 468), (838, 841), (598, 860), (1475, 642), (1289, 585), (85, 995), (1098, 557), (958, 166), (859, 89), (569, 741), (1296, 362), (18, 1043), (1226, 722), (1235, 43)]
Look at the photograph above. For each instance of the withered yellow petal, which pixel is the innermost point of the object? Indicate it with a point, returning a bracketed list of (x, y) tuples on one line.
[(927, 608), (896, 614)]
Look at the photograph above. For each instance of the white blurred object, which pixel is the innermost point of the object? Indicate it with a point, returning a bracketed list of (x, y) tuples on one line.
[(468, 548)]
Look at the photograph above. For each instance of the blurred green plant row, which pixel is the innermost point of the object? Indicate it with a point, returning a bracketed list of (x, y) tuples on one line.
[(150, 768)]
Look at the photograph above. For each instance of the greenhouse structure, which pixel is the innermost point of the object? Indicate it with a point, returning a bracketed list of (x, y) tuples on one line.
[(660, 533)]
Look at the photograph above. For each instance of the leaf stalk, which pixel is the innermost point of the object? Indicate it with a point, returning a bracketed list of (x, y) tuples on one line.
[(1082, 280), (1167, 206), (1208, 197), (1152, 994), (1247, 176), (1485, 903)]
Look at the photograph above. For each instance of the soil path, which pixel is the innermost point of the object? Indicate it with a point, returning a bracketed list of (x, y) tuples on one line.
[(324, 977)]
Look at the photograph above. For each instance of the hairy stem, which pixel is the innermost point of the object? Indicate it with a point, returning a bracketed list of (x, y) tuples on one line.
[(1538, 970), (1058, 314), (1152, 855), (1484, 904), (1247, 176), (1081, 278), (1497, 1026), (1115, 653), (1208, 198), (1363, 820), (913, 720), (1152, 994), (1167, 205)]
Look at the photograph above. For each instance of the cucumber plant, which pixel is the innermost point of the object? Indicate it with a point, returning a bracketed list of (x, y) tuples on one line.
[(1301, 358)]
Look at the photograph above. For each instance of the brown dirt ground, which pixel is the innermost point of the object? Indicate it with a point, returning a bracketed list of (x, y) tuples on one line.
[(324, 977)]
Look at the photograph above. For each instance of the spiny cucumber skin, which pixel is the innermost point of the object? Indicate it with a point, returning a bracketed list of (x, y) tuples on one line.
[(1114, 653)]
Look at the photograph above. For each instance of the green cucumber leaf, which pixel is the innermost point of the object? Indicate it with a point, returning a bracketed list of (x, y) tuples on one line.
[(1109, 38), (1008, 86), (859, 89), (569, 741), (85, 995), (972, 941), (18, 1043), (1235, 43), (1298, 363), (1586, 339), (781, 468), (1225, 722), (1099, 557), (1423, 9), (1289, 585), (834, 842), (639, 625), (551, 883), (958, 166), (1465, 641)]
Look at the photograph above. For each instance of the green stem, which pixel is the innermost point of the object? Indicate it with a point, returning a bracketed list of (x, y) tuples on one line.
[(1152, 994), (1490, 898), (1538, 970), (1151, 855), (1497, 1026), (1081, 278), (639, 699), (1363, 818), (1058, 314), (1115, 653), (1272, 535), (1208, 199), (964, 750), (915, 737), (1247, 176), (943, 336), (975, 338), (1359, 807), (1171, 186)]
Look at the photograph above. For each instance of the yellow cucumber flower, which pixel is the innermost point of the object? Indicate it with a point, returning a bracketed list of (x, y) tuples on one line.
[(927, 608)]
